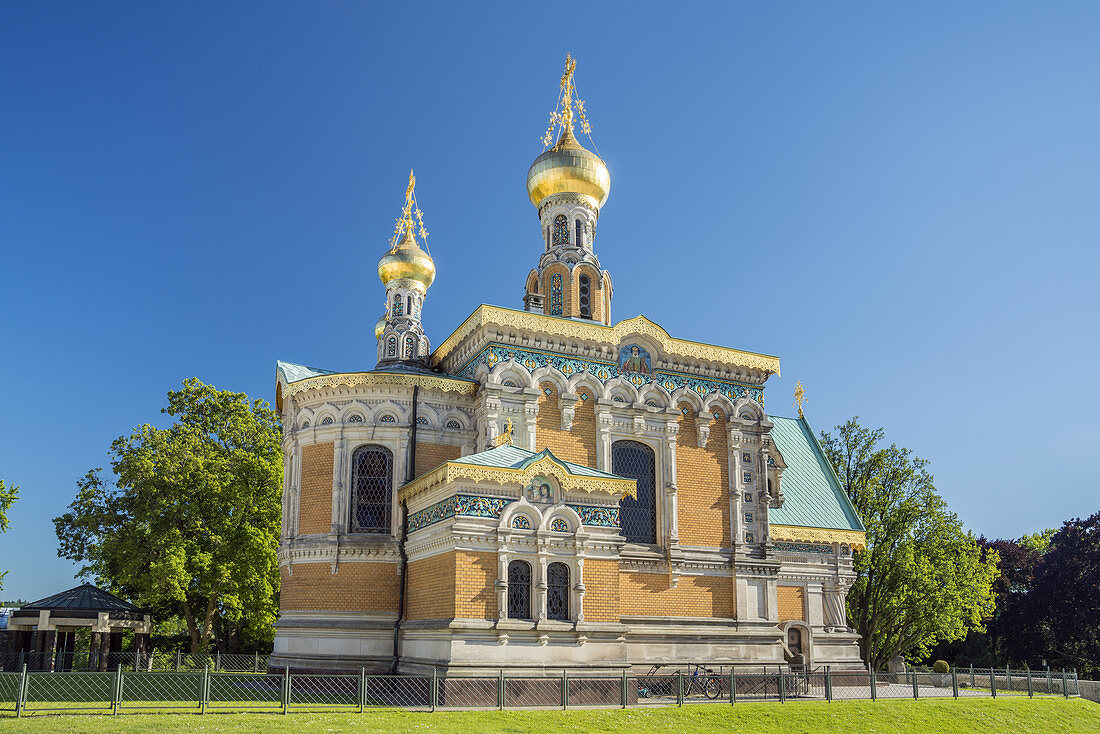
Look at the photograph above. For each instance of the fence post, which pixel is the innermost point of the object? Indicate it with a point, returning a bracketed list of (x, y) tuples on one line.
[(733, 687), (916, 691), (564, 690), (954, 682), (828, 684), (1008, 679), (435, 688), (1065, 684), (782, 687), (992, 682), (21, 692), (500, 690), (286, 689), (115, 704), (1030, 691), (622, 693), (679, 688), (1050, 682), (202, 691), (972, 684), (177, 661), (363, 688), (256, 662), (874, 686), (218, 661)]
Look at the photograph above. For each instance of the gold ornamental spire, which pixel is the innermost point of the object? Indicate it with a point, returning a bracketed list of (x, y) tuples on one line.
[(799, 398), (562, 116), (405, 225)]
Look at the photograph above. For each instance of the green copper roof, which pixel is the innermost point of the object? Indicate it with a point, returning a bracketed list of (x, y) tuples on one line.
[(509, 456), (293, 372), (812, 494)]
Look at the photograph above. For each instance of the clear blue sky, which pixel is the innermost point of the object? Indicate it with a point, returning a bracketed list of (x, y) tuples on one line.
[(899, 201)]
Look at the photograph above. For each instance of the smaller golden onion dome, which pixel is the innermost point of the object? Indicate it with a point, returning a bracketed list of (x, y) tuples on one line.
[(379, 326), (568, 167), (406, 261)]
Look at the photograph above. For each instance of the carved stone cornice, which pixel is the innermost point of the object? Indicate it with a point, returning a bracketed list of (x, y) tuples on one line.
[(486, 315), (853, 538), (356, 379)]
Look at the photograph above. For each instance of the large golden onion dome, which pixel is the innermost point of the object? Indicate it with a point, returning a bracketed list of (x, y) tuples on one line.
[(568, 167), (380, 326), (406, 261)]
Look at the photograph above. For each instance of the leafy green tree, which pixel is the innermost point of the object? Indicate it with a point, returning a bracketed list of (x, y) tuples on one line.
[(8, 496), (922, 578), (190, 524)]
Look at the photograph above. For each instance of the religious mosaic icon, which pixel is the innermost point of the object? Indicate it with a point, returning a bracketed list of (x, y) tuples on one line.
[(633, 358)]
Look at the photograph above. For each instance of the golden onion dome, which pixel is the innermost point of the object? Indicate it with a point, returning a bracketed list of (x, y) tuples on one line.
[(568, 167), (406, 261), (379, 326)]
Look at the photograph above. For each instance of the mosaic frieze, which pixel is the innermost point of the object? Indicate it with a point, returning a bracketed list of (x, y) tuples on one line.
[(474, 506), (803, 548), (601, 517), (604, 371)]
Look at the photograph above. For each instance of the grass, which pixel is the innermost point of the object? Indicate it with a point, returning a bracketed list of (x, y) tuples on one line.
[(1016, 715)]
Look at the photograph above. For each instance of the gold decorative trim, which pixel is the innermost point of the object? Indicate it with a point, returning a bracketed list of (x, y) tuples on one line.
[(855, 538), (552, 325), (355, 379), (546, 466)]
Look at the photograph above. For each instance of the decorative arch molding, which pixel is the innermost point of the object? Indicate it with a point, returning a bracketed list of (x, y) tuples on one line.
[(510, 369), (745, 406), (618, 387), (685, 395), (552, 375), (717, 401), (563, 512), (587, 379)]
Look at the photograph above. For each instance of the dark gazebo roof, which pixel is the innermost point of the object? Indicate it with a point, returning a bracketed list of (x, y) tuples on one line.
[(81, 601)]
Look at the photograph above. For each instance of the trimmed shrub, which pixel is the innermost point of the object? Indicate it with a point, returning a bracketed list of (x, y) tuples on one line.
[(941, 667)]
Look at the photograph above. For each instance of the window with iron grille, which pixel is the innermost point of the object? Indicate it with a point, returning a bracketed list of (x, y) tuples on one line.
[(585, 291), (637, 516), (371, 489), (557, 591), (519, 590), (555, 294), (397, 305), (580, 234), (561, 231)]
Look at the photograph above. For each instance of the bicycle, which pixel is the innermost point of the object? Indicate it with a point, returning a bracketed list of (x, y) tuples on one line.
[(710, 686)]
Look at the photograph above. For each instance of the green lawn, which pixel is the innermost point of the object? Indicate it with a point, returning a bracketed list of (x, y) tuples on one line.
[(1015, 715)]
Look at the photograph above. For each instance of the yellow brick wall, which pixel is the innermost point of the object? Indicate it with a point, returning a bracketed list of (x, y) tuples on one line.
[(601, 590), (595, 294), (475, 585), (566, 289), (649, 594), (315, 507), (431, 587), (702, 481), (577, 445), (431, 455), (355, 587), (792, 603)]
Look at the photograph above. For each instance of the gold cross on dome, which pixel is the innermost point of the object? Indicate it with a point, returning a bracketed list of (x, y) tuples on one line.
[(799, 397), (506, 435)]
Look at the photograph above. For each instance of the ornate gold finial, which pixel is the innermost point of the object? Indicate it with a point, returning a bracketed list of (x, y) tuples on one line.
[(405, 224), (562, 116), (506, 435), (799, 397)]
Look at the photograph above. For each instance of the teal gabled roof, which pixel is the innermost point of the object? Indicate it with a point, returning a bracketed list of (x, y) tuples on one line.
[(812, 493), (293, 372), (509, 456)]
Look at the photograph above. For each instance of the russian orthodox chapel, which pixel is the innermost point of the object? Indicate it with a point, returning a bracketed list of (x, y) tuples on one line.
[(547, 489)]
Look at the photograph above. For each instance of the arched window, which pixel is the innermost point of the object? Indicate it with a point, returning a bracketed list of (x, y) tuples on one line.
[(519, 590), (409, 306), (585, 290), (638, 516), (397, 305), (557, 591), (391, 346), (561, 231), (410, 347), (555, 294), (580, 234), (371, 489)]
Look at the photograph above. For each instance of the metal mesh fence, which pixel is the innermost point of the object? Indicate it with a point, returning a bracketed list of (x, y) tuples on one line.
[(123, 689), (64, 662)]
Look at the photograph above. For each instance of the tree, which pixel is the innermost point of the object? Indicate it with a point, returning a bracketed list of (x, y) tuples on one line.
[(8, 496), (1059, 618), (922, 578), (190, 525)]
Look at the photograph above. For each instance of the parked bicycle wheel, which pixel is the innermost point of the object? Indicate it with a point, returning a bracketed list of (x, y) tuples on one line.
[(713, 688)]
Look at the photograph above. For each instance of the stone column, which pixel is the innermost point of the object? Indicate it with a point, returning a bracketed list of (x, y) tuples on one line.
[(502, 585), (672, 522), (530, 417), (604, 421), (339, 503), (93, 651)]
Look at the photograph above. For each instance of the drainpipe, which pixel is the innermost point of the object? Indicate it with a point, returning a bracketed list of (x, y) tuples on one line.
[(409, 476)]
